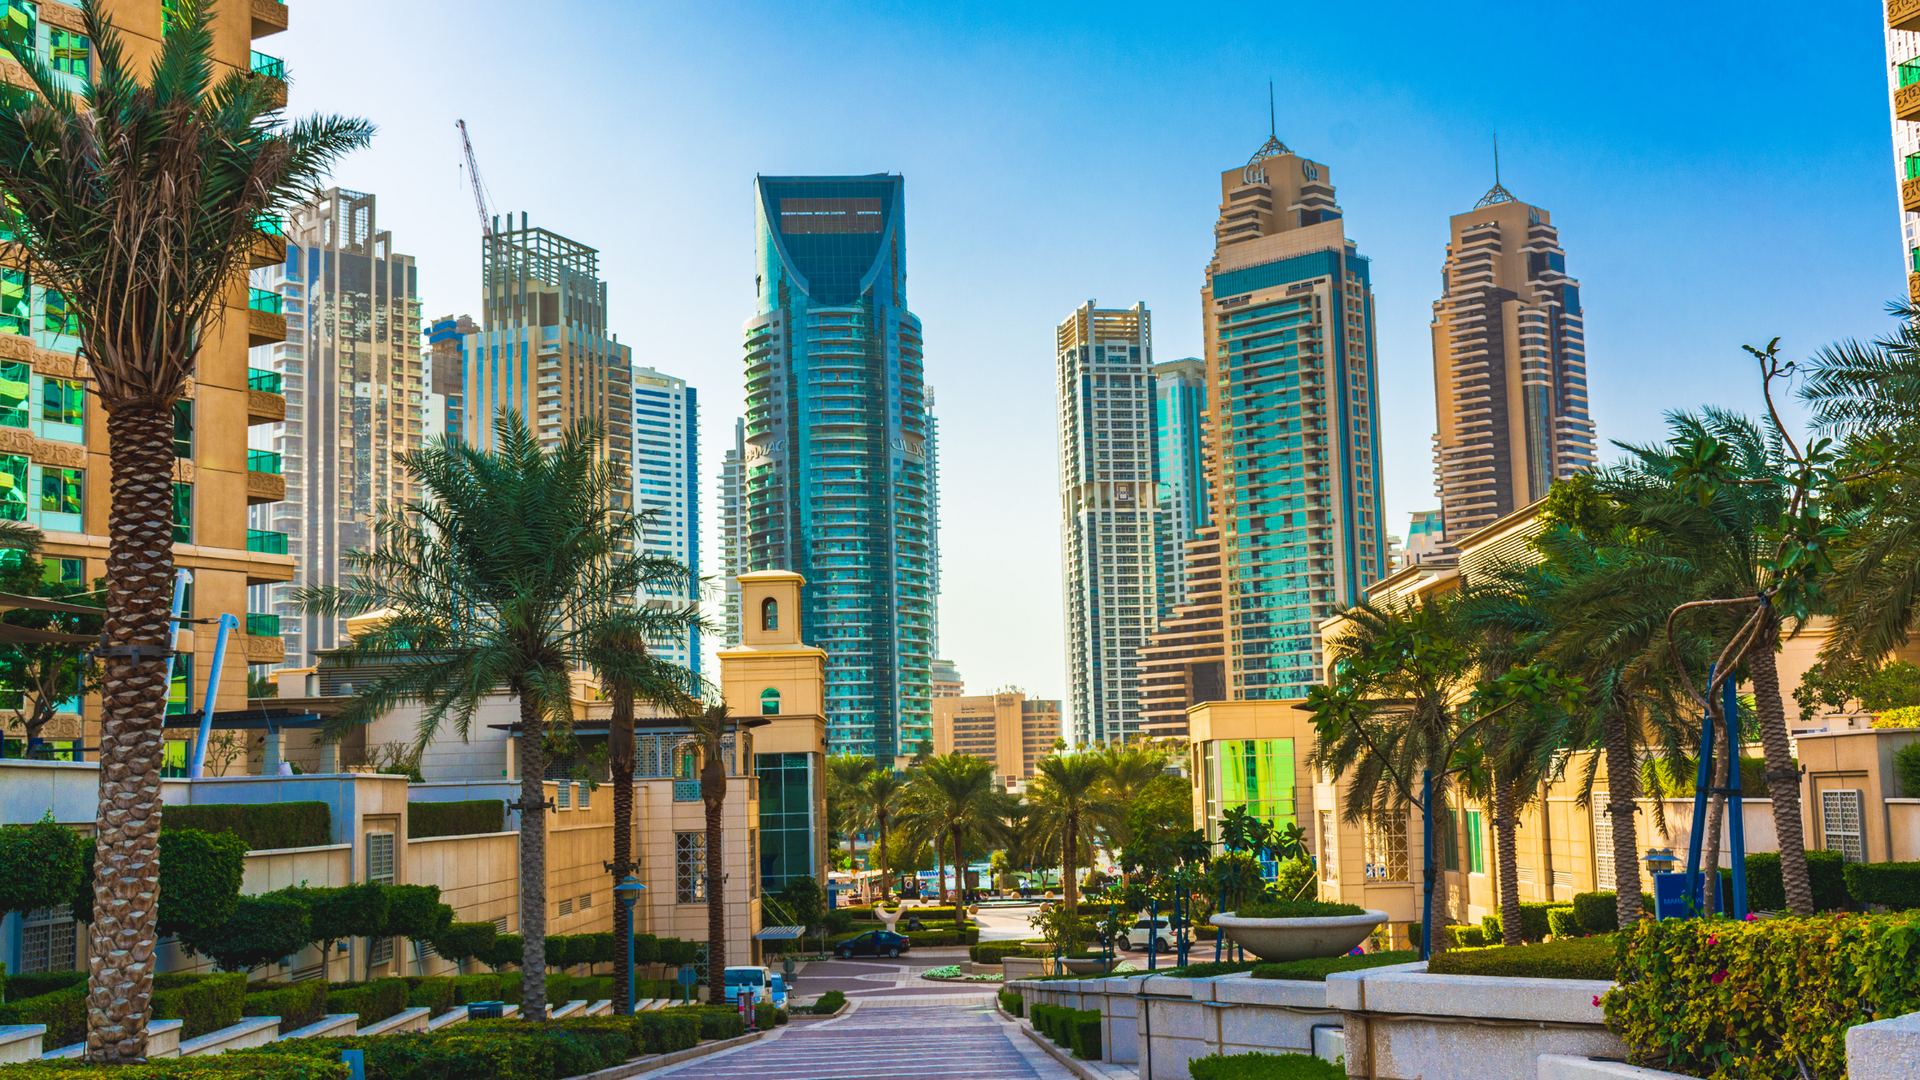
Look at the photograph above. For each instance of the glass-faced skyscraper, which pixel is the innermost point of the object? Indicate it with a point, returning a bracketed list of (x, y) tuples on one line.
[(839, 481), (1287, 311), (666, 475), (1180, 466)]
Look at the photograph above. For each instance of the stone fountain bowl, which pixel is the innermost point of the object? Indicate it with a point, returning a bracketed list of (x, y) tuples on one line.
[(1095, 966), (1277, 940)]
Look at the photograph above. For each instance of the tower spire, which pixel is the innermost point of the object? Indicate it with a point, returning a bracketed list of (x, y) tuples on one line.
[(1497, 194), (1273, 147), (1273, 125)]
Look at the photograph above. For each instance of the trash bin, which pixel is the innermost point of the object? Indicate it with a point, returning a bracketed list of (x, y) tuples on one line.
[(485, 1010)]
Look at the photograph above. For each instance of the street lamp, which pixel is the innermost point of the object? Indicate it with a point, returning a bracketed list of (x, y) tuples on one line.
[(628, 893)]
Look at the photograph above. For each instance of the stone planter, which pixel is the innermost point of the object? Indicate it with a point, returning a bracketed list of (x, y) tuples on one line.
[(1276, 940), (1095, 966)]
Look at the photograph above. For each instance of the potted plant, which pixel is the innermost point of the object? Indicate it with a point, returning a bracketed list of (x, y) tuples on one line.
[(1278, 930), (1089, 963)]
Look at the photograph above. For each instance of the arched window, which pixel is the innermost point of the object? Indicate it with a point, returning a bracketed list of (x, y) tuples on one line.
[(769, 614), (769, 701)]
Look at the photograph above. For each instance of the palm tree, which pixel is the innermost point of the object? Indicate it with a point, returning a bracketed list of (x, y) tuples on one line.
[(710, 727), (879, 803), (138, 201), (496, 578), (951, 799), (1127, 770), (845, 774), (1068, 796)]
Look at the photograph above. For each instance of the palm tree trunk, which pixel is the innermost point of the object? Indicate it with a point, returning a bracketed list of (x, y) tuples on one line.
[(939, 870), (1623, 789), (1069, 847), (1783, 779), (620, 758), (533, 860), (1441, 812), (120, 949), (885, 870), (1503, 842), (1716, 816), (713, 789), (959, 887)]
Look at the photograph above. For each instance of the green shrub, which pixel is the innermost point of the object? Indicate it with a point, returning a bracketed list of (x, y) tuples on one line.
[(1896, 885), (1826, 871), (605, 948), (63, 1011), (559, 950), (667, 1032), (468, 988), (1468, 937), (1572, 958), (715, 1022), (261, 930), (1599, 912), (463, 941), (766, 1016), (468, 818), (348, 911), (830, 1002), (506, 951), (495, 1049), (200, 876), (1259, 1066), (1906, 767), (206, 1003), (1042, 1015), (1533, 923), (434, 993), (1083, 1034), (1209, 970), (21, 987), (261, 826), (1762, 999), (296, 1004), (510, 988), (593, 988), (1677, 780), (372, 1001), (1011, 1002), (646, 949), (1562, 923), (1318, 970), (42, 865), (265, 1064), (1295, 909), (415, 912)]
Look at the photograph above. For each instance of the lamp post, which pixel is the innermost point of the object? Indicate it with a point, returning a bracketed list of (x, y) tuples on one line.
[(628, 893)]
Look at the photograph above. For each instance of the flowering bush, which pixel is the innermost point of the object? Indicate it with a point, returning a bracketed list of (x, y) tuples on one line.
[(1905, 716), (1761, 999)]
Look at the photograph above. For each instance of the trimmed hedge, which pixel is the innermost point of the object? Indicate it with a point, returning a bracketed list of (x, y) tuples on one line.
[(1826, 871), (206, 1003), (767, 1016), (1599, 912), (715, 1021), (495, 1049), (1077, 1030), (1562, 923), (263, 826), (296, 1004), (830, 1002), (373, 1001), (1296, 909), (278, 1065), (463, 941), (1572, 958), (1258, 1066), (1763, 999), (63, 1011), (1318, 970), (1012, 1003), (436, 994), (21, 987), (1533, 922), (1209, 970), (471, 817), (1896, 885), (468, 988)]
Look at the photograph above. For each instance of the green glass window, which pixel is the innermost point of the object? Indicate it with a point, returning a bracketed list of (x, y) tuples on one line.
[(1449, 838), (1255, 773), (16, 385), (61, 489), (15, 310), (13, 487), (58, 317), (62, 401), (786, 819), (21, 24), (64, 571), (183, 429), (769, 702), (1476, 844), (183, 513), (72, 53)]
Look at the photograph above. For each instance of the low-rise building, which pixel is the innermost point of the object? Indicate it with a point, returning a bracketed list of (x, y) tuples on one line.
[(1008, 728)]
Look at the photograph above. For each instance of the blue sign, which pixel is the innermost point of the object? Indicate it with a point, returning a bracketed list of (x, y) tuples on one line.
[(1670, 899), (689, 975)]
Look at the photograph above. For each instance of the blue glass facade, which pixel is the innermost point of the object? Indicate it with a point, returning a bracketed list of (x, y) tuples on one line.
[(839, 479), (1180, 467)]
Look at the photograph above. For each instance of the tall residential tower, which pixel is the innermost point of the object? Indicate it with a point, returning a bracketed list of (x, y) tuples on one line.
[(1903, 86), (1104, 389), (1180, 466), (666, 477), (1509, 365), (1288, 315), (839, 482)]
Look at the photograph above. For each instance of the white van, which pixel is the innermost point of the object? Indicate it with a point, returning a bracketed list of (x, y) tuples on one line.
[(758, 979)]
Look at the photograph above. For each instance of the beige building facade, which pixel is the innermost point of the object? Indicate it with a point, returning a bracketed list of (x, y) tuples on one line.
[(54, 470), (1009, 729)]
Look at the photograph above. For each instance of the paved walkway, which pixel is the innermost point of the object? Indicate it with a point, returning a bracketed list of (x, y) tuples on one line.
[(957, 1039), (868, 978)]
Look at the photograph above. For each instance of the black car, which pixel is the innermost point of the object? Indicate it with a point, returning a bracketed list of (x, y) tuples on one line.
[(873, 943)]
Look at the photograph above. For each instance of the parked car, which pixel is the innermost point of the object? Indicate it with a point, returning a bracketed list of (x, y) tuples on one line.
[(779, 992), (1144, 931), (873, 943), (758, 979)]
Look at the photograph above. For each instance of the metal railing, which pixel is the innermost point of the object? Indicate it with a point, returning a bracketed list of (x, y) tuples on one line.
[(263, 625), (270, 66), (263, 461), (264, 300), (266, 541), (268, 381)]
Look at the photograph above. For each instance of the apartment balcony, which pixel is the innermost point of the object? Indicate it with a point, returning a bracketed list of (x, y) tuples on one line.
[(1910, 186), (265, 403), (262, 643), (274, 70), (266, 542), (266, 324), (270, 245), (1903, 15), (269, 17), (264, 482)]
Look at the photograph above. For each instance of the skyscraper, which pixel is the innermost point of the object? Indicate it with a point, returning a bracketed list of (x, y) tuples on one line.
[(444, 407), (1180, 465), (1903, 86), (733, 531), (1104, 387), (839, 478), (1184, 662), (1288, 316), (544, 349), (666, 476), (1509, 365), (352, 374)]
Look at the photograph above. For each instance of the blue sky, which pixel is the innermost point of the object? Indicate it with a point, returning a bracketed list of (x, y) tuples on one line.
[(1720, 174)]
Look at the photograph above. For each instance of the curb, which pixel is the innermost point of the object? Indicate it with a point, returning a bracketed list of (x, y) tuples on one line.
[(1074, 1065), (642, 1066)]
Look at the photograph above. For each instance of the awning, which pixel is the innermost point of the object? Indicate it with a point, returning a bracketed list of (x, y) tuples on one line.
[(250, 720), (8, 601), (779, 933), (21, 635)]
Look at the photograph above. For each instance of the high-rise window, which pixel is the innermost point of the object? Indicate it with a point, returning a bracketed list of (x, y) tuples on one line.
[(690, 867), (15, 303), (183, 513), (71, 53), (62, 401), (1476, 843)]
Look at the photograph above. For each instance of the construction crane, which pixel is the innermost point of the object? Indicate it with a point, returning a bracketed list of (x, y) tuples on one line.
[(473, 174)]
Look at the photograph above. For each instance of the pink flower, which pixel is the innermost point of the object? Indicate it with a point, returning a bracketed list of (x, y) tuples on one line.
[(1751, 917), (1712, 940), (1718, 977), (1596, 999)]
